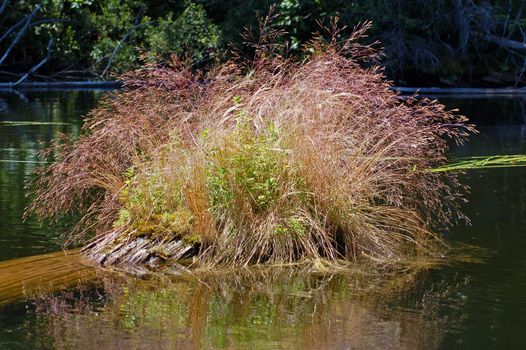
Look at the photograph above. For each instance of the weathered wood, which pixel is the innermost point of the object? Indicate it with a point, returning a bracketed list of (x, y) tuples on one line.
[(115, 84), (126, 251)]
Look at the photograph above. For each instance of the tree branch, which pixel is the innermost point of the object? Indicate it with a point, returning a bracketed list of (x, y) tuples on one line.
[(119, 45), (21, 33), (40, 64), (4, 5), (33, 24), (11, 29), (508, 43)]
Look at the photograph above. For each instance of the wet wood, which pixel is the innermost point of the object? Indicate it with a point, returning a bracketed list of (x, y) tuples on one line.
[(30, 276), (50, 85)]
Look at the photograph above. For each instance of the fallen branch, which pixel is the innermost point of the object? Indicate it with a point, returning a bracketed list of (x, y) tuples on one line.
[(508, 43), (4, 5), (10, 31), (69, 85)]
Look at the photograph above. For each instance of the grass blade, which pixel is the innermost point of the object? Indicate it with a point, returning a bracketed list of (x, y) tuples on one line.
[(483, 162)]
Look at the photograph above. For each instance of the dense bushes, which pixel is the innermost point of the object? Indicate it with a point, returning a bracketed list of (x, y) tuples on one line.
[(426, 42), (269, 160), (97, 39)]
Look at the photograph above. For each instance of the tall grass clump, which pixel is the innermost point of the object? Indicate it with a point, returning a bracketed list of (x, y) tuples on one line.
[(262, 160)]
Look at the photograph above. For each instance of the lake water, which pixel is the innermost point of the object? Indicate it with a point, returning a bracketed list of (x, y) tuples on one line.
[(477, 302)]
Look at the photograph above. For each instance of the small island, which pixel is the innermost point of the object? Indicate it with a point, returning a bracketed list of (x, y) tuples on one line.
[(267, 160)]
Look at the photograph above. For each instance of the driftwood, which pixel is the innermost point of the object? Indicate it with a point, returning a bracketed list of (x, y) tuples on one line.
[(136, 252), (115, 84)]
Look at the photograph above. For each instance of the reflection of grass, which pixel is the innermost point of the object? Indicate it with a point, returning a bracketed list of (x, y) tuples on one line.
[(258, 308), (42, 274), (464, 253)]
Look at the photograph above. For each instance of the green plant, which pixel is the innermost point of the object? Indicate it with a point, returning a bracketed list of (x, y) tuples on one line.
[(191, 35), (247, 165)]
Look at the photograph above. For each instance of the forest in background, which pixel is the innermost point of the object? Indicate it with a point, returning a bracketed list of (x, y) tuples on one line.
[(426, 42)]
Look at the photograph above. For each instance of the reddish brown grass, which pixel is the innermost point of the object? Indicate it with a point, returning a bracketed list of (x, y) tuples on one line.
[(352, 162)]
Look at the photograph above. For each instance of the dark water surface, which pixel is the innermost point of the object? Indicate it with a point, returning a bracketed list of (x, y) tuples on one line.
[(477, 303)]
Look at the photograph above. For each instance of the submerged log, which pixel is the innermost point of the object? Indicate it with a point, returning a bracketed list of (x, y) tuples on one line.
[(34, 275)]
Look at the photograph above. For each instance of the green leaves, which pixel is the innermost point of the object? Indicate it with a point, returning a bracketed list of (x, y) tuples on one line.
[(190, 35), (248, 165)]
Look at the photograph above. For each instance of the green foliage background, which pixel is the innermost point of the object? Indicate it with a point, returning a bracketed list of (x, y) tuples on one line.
[(426, 42)]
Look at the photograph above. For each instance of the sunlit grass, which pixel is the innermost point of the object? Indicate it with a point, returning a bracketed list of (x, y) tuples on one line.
[(483, 162), (264, 161)]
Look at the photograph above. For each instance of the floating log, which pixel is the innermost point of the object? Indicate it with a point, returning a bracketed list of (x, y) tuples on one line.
[(60, 85), (81, 85)]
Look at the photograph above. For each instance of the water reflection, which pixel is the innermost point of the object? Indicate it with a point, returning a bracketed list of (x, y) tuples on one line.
[(488, 110), (261, 310), (19, 145)]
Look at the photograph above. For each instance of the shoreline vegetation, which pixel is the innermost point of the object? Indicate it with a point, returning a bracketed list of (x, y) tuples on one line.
[(270, 160), (460, 43)]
